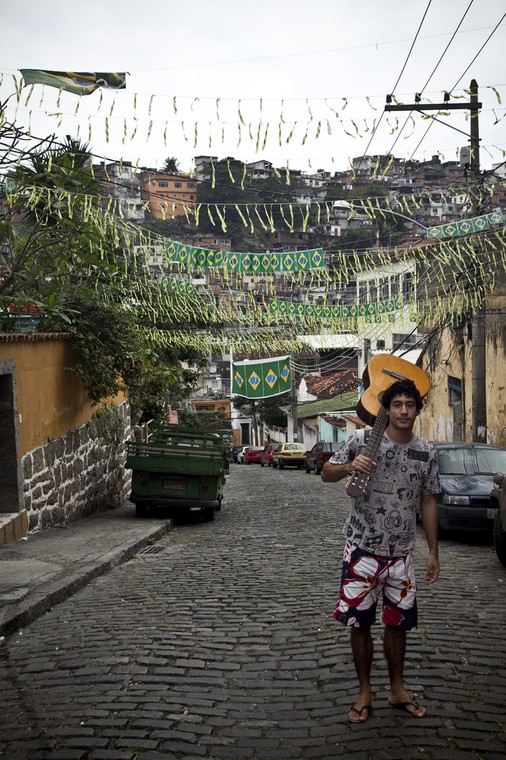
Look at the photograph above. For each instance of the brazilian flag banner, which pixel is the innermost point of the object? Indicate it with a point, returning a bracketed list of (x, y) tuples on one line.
[(79, 83), (261, 378)]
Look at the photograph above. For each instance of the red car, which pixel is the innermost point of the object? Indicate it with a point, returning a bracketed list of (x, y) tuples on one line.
[(266, 456), (252, 456), (319, 454)]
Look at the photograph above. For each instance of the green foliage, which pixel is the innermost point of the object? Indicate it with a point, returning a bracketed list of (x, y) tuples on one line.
[(227, 184), (171, 165), (66, 265), (267, 409)]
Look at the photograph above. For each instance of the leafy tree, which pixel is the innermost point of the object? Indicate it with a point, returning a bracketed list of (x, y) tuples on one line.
[(266, 409), (226, 183), (64, 260), (171, 166)]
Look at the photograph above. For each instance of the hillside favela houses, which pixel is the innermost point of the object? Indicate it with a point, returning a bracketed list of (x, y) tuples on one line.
[(59, 461)]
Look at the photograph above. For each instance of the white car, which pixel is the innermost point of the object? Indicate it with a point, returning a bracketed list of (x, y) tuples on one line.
[(240, 456)]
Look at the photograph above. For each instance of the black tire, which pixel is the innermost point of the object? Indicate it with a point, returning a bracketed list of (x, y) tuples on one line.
[(274, 465), (281, 464), (499, 539), (208, 514), (141, 510)]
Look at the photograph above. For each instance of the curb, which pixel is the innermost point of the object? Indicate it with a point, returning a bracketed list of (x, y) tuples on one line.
[(41, 601)]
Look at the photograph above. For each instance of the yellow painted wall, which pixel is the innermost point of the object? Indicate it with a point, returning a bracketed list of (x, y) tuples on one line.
[(443, 359), (49, 399), (449, 353), (495, 337)]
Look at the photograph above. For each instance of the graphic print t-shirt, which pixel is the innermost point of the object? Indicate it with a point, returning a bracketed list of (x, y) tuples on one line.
[(383, 519)]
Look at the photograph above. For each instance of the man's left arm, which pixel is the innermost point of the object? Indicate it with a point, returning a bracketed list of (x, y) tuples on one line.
[(428, 513)]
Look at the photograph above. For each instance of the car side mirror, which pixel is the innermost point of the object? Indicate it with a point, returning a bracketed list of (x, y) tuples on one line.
[(499, 479)]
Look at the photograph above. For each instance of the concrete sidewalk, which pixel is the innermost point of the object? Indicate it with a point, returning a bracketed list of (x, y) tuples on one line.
[(53, 564)]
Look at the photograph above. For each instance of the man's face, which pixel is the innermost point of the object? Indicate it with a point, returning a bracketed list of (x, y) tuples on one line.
[(402, 412)]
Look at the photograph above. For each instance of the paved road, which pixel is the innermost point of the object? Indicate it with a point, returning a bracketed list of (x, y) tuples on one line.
[(218, 642)]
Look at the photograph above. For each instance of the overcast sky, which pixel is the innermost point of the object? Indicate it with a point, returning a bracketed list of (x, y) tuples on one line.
[(234, 78)]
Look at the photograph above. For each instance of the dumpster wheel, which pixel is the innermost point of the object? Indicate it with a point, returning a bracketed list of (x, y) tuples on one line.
[(208, 514), (142, 510)]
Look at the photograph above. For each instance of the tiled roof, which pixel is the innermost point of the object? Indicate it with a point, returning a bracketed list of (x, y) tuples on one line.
[(333, 384), (336, 421), (354, 419), (345, 402), (32, 337)]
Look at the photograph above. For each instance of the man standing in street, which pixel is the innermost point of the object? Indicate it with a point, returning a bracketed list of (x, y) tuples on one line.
[(380, 538)]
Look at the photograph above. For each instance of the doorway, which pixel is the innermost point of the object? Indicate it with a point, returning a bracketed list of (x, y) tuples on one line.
[(9, 476)]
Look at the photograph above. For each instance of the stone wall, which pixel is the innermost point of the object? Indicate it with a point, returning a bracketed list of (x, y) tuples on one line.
[(78, 473)]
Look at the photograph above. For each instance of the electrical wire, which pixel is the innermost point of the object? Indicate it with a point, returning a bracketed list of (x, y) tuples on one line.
[(460, 79)]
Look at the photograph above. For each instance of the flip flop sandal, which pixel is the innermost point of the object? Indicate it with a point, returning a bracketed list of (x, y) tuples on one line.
[(359, 713)]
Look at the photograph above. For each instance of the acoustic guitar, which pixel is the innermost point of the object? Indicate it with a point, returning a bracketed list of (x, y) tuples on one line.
[(382, 370)]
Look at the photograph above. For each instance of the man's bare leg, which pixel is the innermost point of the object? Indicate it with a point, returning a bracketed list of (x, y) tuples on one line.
[(394, 644), (362, 649)]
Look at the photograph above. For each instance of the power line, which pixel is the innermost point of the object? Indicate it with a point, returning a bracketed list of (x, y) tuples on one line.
[(460, 78)]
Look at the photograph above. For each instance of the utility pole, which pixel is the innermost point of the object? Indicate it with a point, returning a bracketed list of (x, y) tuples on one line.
[(478, 360), (295, 434)]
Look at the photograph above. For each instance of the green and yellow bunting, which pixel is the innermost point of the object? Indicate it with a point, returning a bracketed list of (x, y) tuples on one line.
[(261, 378), (79, 83), (341, 311), (251, 263), (466, 226), (174, 285)]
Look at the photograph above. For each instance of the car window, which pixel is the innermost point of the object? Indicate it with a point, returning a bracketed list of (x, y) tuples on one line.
[(470, 461), (491, 460)]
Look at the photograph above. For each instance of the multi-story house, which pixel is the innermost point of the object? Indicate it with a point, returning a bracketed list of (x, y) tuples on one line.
[(120, 180), (168, 195)]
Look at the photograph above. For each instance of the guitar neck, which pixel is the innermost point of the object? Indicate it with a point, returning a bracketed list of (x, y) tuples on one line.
[(376, 433), (359, 480)]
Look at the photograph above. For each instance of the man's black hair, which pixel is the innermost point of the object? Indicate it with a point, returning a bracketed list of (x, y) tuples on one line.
[(402, 388)]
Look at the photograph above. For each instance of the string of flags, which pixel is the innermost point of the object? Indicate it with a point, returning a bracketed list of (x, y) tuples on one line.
[(287, 261), (340, 311), (261, 378), (466, 226)]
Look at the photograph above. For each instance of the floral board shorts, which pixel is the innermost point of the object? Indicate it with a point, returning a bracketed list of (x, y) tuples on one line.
[(364, 577)]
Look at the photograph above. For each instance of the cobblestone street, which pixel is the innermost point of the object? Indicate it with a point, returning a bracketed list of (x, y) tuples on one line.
[(218, 642)]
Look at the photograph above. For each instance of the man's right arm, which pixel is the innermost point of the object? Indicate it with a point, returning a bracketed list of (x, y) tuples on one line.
[(333, 473)]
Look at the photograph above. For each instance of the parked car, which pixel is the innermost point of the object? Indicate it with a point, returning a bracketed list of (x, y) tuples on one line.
[(498, 500), (266, 456), (241, 454), (319, 454), (252, 455), (235, 452), (467, 477), (289, 454)]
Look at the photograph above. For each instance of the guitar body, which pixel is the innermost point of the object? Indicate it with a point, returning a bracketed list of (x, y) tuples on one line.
[(382, 370)]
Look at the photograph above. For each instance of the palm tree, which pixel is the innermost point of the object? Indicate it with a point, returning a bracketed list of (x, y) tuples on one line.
[(171, 165)]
